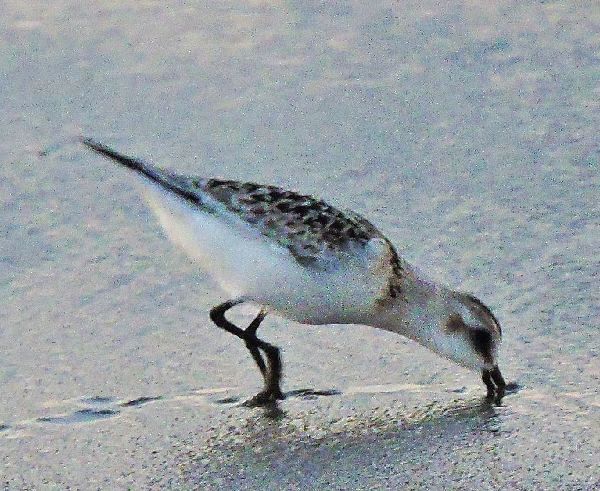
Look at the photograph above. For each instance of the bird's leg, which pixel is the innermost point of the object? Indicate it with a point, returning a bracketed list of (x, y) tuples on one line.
[(254, 351), (500, 383), (496, 386), (487, 380), (272, 390), (272, 373)]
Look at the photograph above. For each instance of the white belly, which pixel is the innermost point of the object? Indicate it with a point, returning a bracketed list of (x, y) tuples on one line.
[(246, 264)]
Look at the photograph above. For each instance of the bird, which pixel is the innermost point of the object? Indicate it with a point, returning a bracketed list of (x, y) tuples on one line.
[(298, 257)]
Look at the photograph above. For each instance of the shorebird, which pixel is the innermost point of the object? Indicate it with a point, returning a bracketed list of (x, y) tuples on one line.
[(303, 259)]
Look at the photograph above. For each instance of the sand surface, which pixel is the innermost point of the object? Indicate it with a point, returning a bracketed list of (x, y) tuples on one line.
[(467, 131)]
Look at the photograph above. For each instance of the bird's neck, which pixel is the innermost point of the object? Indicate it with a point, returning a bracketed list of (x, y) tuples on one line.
[(420, 311)]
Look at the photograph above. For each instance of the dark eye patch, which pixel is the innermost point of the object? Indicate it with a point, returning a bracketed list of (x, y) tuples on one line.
[(480, 339), (456, 324), (485, 309), (482, 343)]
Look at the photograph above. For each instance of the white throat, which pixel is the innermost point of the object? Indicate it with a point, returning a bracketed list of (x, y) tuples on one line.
[(421, 314)]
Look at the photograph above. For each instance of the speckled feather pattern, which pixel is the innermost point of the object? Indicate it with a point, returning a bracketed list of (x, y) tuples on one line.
[(311, 262), (317, 234), (313, 231)]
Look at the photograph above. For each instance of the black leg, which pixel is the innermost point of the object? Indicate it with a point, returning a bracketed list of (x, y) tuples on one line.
[(217, 315), (254, 351), (500, 383), (496, 386), (487, 380), (272, 373), (272, 391)]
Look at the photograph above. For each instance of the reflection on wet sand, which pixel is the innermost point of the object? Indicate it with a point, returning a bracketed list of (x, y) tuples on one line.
[(467, 131)]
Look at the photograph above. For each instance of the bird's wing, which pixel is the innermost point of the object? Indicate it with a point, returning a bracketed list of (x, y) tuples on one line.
[(319, 236)]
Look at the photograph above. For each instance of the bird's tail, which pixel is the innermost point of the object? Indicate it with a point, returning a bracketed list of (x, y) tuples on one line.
[(172, 182)]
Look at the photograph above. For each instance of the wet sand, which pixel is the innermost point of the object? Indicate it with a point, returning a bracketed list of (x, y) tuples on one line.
[(467, 133)]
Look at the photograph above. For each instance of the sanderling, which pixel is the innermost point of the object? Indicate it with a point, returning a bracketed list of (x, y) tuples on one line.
[(299, 257)]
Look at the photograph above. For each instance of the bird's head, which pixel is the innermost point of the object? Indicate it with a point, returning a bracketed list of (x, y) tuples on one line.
[(476, 328)]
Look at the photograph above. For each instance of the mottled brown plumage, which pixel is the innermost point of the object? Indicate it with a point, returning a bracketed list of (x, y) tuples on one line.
[(308, 261), (315, 232)]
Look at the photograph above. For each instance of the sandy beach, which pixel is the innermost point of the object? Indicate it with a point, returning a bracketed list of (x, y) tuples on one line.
[(468, 133)]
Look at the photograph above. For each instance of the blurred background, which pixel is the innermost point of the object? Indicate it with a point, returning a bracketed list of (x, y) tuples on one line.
[(467, 131)]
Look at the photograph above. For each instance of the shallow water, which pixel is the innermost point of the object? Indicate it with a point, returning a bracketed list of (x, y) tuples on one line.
[(468, 133)]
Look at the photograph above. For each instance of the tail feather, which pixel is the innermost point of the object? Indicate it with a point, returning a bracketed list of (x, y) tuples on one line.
[(167, 180)]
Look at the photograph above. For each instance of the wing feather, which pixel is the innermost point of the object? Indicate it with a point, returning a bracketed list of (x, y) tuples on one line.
[(317, 234)]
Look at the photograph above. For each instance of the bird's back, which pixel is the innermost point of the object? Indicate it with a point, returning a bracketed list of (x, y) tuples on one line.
[(293, 252)]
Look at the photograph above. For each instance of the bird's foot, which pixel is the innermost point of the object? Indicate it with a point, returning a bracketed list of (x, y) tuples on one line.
[(265, 398), (496, 386)]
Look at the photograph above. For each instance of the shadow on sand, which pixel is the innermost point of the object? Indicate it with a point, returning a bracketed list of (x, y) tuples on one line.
[(299, 447)]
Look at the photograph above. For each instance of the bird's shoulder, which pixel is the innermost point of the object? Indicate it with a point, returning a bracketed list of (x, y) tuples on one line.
[(317, 234)]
